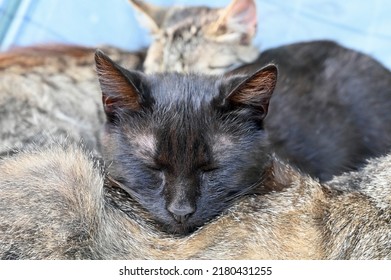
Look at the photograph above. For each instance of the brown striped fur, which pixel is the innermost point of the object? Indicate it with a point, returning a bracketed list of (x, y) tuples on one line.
[(52, 90), (54, 205)]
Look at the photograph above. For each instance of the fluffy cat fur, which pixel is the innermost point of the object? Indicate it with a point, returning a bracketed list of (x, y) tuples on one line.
[(330, 111), (54, 205), (52, 91)]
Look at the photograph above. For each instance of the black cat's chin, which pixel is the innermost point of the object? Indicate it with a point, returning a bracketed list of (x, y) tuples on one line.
[(179, 228), (170, 225)]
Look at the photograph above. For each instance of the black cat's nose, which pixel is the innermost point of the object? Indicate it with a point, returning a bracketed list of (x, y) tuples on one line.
[(181, 213)]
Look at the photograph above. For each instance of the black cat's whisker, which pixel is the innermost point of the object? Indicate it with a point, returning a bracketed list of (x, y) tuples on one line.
[(252, 189)]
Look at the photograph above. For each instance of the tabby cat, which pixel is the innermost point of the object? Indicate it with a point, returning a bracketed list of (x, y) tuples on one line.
[(199, 39)]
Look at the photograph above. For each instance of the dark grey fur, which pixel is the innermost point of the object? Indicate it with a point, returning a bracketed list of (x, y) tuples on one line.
[(331, 107)]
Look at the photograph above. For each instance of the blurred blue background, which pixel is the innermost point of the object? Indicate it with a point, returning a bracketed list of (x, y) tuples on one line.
[(362, 25)]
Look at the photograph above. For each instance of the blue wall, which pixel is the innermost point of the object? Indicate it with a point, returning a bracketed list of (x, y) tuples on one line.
[(362, 25)]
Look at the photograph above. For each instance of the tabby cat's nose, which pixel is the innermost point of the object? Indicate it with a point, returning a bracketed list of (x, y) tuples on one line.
[(181, 213)]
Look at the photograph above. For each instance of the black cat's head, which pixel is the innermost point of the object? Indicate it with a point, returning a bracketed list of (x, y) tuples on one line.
[(185, 146)]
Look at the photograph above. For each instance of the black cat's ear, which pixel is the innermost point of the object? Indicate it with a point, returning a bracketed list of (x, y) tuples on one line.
[(152, 15), (255, 91), (121, 89)]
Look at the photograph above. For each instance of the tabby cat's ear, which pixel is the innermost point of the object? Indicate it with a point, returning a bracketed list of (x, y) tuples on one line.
[(237, 22), (152, 15), (121, 89), (254, 92)]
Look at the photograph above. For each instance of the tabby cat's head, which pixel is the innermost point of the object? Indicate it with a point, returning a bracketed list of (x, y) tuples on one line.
[(200, 39), (185, 146)]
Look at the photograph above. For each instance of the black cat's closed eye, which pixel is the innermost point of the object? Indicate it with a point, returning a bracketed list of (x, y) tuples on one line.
[(208, 168), (155, 168)]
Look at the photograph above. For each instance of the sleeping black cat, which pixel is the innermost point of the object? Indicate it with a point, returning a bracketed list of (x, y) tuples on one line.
[(185, 146)]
